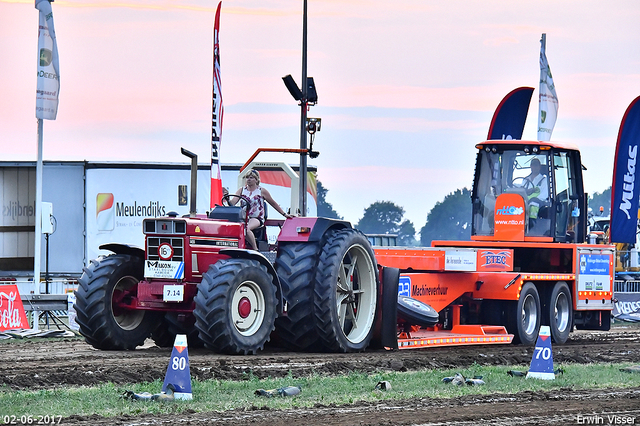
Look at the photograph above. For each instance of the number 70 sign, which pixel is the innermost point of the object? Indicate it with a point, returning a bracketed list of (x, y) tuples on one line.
[(542, 359)]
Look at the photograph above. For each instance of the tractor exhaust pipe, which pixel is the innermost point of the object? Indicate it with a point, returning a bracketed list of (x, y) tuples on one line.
[(194, 180)]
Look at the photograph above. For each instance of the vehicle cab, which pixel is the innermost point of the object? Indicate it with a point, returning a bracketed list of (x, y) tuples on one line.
[(528, 191)]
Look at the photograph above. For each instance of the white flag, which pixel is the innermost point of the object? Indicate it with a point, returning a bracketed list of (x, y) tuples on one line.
[(48, 69), (548, 105)]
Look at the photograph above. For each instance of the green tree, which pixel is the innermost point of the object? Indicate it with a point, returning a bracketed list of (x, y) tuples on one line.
[(603, 200), (385, 217), (325, 209), (449, 219)]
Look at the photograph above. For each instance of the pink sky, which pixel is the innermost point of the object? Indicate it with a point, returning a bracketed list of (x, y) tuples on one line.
[(406, 88)]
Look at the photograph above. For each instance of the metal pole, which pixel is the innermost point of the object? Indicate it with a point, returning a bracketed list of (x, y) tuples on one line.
[(38, 237), (303, 118), (194, 180)]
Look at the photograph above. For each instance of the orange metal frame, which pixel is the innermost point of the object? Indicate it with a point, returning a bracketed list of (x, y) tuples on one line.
[(459, 335)]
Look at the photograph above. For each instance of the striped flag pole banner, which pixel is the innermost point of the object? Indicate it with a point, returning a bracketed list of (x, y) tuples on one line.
[(217, 113), (48, 85), (548, 105)]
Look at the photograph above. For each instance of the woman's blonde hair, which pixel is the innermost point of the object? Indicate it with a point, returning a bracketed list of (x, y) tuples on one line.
[(254, 173)]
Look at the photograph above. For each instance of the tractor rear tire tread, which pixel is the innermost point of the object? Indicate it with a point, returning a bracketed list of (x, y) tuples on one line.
[(296, 266), (327, 322)]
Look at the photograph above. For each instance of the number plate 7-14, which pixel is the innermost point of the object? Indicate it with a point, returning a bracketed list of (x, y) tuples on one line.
[(173, 293)]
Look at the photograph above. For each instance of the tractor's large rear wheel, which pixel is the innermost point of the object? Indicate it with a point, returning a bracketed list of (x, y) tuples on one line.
[(236, 306), (296, 267), (346, 292), (106, 287), (524, 316)]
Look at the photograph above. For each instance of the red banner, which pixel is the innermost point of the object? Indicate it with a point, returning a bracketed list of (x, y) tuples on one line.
[(217, 112), (12, 314)]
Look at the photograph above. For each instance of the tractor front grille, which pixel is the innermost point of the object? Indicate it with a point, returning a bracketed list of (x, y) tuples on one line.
[(176, 243)]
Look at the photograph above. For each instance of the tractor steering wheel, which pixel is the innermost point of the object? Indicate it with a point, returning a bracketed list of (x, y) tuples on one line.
[(521, 182), (244, 200)]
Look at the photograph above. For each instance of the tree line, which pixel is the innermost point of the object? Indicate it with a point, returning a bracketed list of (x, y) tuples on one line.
[(449, 219)]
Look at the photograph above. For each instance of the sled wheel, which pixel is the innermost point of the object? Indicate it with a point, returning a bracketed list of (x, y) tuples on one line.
[(296, 266), (346, 292), (165, 335), (107, 286), (524, 316), (559, 312), (235, 306), (417, 313)]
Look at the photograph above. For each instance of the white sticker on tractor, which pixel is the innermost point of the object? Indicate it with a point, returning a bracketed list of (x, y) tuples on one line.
[(164, 269), (460, 260)]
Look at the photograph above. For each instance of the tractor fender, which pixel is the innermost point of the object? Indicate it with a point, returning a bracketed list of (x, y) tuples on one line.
[(119, 248), (309, 229), (254, 255)]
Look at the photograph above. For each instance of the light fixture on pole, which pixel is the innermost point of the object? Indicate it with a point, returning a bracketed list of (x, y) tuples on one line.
[(307, 96)]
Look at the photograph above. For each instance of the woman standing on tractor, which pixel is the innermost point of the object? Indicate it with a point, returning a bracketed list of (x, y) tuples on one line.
[(257, 195)]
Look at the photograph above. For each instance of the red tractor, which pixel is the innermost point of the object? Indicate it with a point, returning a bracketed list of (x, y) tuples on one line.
[(318, 286)]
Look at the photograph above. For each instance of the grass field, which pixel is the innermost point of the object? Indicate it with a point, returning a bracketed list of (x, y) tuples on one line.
[(215, 395)]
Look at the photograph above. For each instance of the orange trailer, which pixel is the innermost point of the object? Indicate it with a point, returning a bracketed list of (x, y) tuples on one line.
[(527, 263)]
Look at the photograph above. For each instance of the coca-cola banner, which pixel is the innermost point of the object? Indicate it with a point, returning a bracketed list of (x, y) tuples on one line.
[(627, 306), (12, 314)]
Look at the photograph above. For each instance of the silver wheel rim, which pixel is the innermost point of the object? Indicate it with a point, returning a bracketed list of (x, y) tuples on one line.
[(127, 319), (561, 312), (356, 294), (529, 314), (249, 323)]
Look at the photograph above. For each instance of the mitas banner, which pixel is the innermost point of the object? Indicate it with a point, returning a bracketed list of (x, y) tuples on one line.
[(12, 315), (511, 115), (625, 189), (48, 86)]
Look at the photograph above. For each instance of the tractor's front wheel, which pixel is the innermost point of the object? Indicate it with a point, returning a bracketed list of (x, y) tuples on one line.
[(106, 289), (235, 306), (346, 292)]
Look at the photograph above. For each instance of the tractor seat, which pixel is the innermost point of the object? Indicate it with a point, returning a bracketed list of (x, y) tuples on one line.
[(228, 213)]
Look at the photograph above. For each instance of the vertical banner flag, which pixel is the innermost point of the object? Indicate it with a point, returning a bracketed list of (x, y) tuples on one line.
[(217, 112), (625, 189), (548, 105), (510, 115), (48, 85)]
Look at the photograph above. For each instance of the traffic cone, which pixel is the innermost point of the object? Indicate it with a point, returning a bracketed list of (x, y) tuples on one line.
[(178, 373), (542, 359)]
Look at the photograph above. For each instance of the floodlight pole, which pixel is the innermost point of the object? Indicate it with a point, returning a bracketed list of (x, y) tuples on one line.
[(303, 118)]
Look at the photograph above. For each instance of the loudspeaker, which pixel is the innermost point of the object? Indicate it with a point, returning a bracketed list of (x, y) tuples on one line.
[(293, 87), (312, 95)]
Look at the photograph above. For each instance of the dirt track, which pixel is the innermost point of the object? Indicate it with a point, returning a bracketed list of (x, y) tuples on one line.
[(72, 362)]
